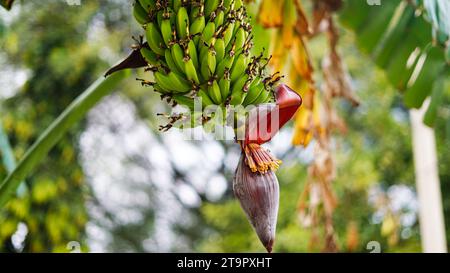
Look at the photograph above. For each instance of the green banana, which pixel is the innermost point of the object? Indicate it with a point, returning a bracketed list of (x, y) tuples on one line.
[(149, 56), (220, 17), (240, 37), (177, 5), (239, 90), (206, 100), (209, 31), (210, 6), (253, 94), (197, 26), (239, 67), (264, 97), (208, 66), (172, 82), (154, 38), (224, 65), (219, 47), (140, 14), (178, 57), (171, 63), (192, 52), (147, 4), (191, 71), (214, 93), (185, 101), (166, 31), (224, 85), (159, 89), (182, 23), (228, 33)]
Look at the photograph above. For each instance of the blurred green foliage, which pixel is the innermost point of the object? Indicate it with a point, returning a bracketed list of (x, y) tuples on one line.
[(60, 64)]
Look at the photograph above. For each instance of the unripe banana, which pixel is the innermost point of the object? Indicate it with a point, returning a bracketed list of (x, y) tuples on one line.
[(220, 17), (206, 100), (209, 31), (210, 6), (239, 67), (172, 82), (214, 93), (225, 65), (240, 37), (182, 23), (197, 26), (149, 56), (224, 85), (192, 53), (181, 84), (177, 5), (253, 93), (219, 47), (147, 4), (171, 63), (178, 56), (159, 89), (239, 90), (208, 66), (185, 101), (154, 38), (166, 31), (238, 4), (264, 97), (140, 14), (228, 34), (191, 72)]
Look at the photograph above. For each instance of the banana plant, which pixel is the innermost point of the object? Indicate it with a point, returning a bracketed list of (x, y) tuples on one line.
[(197, 49), (200, 50), (412, 45)]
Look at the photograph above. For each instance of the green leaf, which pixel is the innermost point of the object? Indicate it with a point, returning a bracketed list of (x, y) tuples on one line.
[(430, 64), (374, 28), (438, 12), (398, 35), (436, 98), (73, 113), (393, 34)]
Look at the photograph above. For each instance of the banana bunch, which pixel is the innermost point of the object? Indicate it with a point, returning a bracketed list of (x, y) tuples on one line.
[(201, 49)]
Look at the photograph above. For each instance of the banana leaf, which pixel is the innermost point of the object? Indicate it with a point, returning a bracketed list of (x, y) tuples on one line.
[(410, 41)]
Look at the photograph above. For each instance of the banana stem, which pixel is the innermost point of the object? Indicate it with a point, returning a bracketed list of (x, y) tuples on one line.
[(73, 113)]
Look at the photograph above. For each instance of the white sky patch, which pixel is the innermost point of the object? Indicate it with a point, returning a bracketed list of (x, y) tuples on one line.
[(18, 239), (11, 80)]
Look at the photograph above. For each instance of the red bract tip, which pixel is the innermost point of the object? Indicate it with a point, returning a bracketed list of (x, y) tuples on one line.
[(266, 120)]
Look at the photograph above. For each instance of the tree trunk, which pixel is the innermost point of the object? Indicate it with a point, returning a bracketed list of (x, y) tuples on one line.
[(431, 216)]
